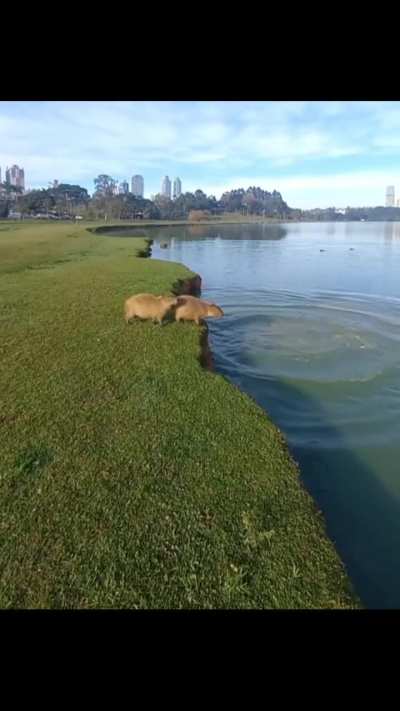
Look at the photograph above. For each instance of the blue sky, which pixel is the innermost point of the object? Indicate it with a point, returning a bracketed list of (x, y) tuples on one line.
[(317, 154)]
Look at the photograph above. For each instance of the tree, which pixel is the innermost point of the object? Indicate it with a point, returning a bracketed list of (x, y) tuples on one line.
[(69, 199), (36, 201), (73, 199), (104, 185), (232, 201), (4, 207), (255, 201), (75, 193)]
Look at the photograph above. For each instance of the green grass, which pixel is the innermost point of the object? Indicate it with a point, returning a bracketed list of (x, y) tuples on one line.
[(130, 476)]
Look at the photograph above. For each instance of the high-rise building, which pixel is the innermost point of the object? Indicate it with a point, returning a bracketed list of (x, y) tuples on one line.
[(390, 196), (15, 176), (0, 175), (123, 188), (137, 186), (398, 202), (177, 188), (166, 187)]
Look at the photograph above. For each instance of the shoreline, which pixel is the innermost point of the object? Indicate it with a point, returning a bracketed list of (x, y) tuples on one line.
[(192, 286), (134, 476), (105, 227)]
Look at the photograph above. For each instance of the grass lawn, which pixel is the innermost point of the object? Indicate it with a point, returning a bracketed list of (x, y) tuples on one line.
[(129, 475)]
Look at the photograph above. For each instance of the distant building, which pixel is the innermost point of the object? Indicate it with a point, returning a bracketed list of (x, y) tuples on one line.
[(390, 196), (137, 186), (123, 188), (398, 202), (177, 188), (166, 187), (15, 176), (0, 175)]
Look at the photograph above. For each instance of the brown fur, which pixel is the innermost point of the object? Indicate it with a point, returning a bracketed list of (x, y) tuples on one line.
[(190, 308), (148, 306)]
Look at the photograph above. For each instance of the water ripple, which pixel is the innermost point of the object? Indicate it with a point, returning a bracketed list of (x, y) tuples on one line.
[(342, 349)]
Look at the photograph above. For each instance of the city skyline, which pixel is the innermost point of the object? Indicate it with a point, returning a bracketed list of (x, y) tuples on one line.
[(137, 185), (390, 196), (177, 192), (316, 154), (166, 187), (16, 176)]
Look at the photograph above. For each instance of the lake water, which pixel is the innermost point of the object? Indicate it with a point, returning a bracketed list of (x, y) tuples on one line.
[(312, 332)]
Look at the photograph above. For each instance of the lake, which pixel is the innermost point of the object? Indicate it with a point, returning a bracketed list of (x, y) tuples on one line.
[(312, 332)]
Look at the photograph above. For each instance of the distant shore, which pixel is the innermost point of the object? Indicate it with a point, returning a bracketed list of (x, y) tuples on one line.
[(230, 219)]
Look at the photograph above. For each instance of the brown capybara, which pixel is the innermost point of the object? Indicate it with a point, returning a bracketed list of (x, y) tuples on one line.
[(190, 308), (148, 306)]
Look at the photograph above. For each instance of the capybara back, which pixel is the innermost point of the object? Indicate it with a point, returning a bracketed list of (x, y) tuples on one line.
[(148, 306)]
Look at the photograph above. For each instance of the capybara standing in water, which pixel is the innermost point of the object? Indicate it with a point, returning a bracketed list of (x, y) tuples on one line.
[(148, 306), (190, 308)]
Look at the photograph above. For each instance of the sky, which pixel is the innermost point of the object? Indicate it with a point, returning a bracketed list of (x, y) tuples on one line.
[(316, 154)]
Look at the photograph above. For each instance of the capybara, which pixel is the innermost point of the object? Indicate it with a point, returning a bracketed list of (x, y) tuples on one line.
[(190, 308), (148, 306)]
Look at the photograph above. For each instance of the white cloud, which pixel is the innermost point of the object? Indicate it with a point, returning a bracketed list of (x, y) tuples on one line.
[(75, 141), (177, 130)]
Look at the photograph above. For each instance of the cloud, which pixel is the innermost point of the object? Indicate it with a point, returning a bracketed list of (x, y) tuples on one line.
[(203, 142)]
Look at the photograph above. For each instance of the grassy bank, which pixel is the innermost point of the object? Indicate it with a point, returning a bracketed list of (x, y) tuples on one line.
[(130, 476), (227, 218)]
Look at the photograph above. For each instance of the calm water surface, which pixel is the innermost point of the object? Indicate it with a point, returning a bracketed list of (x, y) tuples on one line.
[(312, 332)]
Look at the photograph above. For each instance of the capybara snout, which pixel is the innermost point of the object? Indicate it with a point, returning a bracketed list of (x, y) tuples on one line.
[(215, 311), (190, 308)]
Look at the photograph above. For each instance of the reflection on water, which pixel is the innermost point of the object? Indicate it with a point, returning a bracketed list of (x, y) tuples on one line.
[(314, 337), (202, 232), (392, 230)]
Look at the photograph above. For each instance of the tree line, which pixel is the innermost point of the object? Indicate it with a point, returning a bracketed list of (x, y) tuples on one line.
[(71, 200), (66, 200), (350, 214)]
